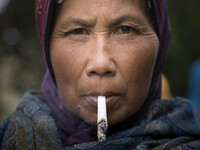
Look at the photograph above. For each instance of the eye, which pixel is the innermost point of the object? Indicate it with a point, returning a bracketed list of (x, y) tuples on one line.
[(78, 31), (124, 30)]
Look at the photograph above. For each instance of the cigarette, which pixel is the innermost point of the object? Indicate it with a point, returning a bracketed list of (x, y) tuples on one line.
[(102, 123)]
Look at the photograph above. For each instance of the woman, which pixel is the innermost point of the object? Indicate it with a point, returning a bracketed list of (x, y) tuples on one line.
[(111, 48)]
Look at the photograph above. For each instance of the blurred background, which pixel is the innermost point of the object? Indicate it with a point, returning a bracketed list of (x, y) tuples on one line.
[(21, 58)]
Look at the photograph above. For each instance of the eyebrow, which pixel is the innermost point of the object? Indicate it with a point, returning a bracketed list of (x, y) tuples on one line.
[(91, 23), (127, 18), (77, 21)]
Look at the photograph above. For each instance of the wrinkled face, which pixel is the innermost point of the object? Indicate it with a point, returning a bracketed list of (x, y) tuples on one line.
[(103, 47)]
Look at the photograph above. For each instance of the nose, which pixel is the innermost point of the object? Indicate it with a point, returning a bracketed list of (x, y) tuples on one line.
[(101, 63)]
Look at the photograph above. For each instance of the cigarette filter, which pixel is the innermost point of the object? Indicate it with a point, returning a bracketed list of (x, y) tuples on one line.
[(102, 123)]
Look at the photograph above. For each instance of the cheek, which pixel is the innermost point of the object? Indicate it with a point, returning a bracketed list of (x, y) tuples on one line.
[(136, 63), (67, 66), (67, 63)]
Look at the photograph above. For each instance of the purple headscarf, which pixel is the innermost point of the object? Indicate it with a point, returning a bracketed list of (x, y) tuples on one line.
[(71, 128)]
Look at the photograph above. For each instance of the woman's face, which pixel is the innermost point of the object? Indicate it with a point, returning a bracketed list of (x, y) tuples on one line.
[(103, 47)]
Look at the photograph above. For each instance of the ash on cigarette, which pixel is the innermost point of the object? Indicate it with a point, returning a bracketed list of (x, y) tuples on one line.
[(102, 129)]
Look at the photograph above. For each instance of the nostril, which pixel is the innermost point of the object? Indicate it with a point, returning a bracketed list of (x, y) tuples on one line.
[(93, 73), (107, 73)]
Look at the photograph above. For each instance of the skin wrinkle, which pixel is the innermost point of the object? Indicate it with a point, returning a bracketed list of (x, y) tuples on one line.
[(143, 6), (103, 55), (72, 23), (92, 22)]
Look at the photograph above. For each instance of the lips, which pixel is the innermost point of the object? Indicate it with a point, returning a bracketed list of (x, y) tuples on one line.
[(111, 98)]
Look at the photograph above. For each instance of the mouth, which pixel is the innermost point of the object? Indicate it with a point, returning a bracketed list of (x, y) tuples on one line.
[(111, 98)]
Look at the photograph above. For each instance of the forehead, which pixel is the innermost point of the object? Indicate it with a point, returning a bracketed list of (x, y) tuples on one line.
[(108, 6)]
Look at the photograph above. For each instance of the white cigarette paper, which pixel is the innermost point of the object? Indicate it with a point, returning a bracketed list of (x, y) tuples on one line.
[(102, 123)]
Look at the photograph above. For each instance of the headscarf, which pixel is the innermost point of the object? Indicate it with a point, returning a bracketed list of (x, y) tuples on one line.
[(71, 128)]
